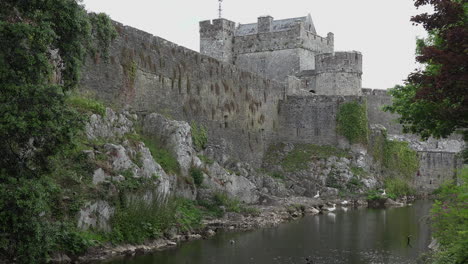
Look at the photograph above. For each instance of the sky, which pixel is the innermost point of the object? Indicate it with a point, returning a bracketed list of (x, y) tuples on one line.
[(380, 29)]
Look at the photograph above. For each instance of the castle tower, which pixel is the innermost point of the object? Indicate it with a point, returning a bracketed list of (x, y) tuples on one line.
[(216, 39), (338, 73), (264, 24)]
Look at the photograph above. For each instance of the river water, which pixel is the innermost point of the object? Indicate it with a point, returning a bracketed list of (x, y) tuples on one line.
[(352, 236)]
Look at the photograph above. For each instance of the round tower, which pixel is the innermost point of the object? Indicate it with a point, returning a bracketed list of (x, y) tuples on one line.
[(338, 73)]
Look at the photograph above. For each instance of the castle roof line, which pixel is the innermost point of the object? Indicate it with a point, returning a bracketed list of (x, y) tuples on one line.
[(277, 25)]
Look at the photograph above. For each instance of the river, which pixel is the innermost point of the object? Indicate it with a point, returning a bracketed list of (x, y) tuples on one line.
[(353, 236)]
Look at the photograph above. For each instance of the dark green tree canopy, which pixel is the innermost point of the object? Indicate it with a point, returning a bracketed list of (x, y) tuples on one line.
[(43, 44), (434, 101)]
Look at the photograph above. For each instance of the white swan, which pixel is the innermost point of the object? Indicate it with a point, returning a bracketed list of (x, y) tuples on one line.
[(317, 195), (330, 209)]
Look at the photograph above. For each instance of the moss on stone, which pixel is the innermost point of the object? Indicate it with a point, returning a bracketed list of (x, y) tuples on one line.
[(300, 156)]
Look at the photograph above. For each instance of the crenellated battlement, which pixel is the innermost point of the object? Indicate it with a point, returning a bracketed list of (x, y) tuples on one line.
[(350, 62), (271, 48)]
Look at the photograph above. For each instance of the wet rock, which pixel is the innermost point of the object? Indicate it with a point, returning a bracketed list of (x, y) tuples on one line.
[(210, 233), (361, 202), (390, 202), (311, 210)]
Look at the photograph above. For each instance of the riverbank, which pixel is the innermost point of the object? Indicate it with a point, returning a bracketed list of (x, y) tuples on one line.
[(271, 213)]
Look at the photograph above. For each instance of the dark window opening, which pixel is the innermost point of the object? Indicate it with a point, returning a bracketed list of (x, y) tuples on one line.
[(312, 91)]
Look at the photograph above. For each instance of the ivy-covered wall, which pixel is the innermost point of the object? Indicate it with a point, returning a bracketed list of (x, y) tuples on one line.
[(352, 122)]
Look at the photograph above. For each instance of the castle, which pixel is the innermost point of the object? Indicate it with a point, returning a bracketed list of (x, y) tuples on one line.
[(253, 86), (276, 49)]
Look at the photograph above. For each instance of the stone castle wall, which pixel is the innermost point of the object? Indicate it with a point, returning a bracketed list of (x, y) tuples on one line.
[(272, 54), (436, 167), (311, 119), (149, 74), (376, 99), (243, 111)]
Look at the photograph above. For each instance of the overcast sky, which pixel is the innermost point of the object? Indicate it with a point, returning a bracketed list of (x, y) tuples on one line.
[(380, 29)]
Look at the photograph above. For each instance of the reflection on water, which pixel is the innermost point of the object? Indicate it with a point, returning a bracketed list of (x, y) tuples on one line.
[(352, 236)]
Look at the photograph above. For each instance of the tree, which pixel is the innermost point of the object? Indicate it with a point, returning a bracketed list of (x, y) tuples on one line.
[(434, 100), (43, 44)]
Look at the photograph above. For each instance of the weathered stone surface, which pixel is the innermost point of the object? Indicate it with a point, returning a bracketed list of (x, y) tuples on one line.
[(99, 176), (111, 125), (174, 134), (96, 215), (236, 186)]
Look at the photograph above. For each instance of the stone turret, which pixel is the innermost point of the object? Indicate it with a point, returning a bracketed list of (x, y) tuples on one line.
[(338, 73), (216, 39)]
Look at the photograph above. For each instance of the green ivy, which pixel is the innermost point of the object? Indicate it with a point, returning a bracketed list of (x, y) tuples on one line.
[(399, 159), (352, 122)]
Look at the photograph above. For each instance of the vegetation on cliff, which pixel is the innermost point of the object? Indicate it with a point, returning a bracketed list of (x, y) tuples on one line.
[(43, 45)]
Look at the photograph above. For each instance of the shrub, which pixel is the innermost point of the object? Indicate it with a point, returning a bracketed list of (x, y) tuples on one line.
[(199, 136), (449, 216), (358, 171), (197, 175), (206, 160), (85, 104), (162, 155), (219, 200), (137, 220), (373, 195), (400, 159), (276, 175), (397, 187)]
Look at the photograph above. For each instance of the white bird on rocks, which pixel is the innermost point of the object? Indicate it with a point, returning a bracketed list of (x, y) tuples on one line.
[(317, 195), (330, 209), (384, 193), (344, 202)]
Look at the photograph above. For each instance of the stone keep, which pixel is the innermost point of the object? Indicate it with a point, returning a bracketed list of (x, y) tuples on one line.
[(278, 49)]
